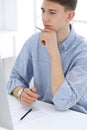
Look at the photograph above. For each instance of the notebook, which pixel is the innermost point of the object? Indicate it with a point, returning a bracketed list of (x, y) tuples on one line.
[(5, 115)]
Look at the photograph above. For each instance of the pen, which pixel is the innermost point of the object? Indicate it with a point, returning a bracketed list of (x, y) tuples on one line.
[(39, 29), (26, 113)]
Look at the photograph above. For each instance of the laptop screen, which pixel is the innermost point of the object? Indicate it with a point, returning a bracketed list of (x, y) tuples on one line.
[(5, 116)]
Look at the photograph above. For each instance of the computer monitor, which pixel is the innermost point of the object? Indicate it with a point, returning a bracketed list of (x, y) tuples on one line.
[(5, 115)]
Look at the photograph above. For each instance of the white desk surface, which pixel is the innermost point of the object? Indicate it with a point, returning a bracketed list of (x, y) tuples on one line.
[(45, 117)]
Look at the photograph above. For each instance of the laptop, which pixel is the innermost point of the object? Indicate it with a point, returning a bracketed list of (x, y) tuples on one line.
[(10, 118), (5, 115), (11, 112)]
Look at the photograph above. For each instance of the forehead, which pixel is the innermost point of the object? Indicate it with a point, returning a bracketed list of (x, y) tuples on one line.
[(51, 5)]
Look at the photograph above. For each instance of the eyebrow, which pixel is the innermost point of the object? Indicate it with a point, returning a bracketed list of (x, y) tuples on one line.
[(50, 9)]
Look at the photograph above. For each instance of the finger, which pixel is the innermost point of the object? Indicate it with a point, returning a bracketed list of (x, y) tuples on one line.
[(28, 97), (30, 93), (27, 102), (43, 42), (33, 89)]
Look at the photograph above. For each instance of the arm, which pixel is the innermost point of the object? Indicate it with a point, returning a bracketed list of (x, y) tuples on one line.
[(57, 75), (21, 75), (69, 91)]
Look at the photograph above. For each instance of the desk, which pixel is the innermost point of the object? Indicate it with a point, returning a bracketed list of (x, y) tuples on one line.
[(49, 118)]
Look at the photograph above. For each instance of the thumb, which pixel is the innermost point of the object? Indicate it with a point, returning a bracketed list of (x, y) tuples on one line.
[(33, 89)]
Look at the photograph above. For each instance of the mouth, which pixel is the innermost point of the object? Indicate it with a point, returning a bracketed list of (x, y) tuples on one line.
[(47, 26)]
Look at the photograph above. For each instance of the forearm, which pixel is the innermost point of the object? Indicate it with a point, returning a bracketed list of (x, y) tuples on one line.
[(57, 75)]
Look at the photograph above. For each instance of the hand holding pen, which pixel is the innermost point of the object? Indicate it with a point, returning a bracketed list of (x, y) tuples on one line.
[(48, 37), (41, 31)]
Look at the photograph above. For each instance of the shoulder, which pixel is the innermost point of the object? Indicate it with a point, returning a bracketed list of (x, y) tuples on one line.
[(32, 41), (78, 41), (33, 38), (81, 42)]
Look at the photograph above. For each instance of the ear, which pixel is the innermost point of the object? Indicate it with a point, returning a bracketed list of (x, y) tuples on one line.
[(70, 16)]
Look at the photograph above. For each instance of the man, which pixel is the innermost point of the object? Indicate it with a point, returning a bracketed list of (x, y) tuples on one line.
[(56, 58)]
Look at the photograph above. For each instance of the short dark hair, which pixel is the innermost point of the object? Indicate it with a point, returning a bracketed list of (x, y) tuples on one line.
[(68, 4)]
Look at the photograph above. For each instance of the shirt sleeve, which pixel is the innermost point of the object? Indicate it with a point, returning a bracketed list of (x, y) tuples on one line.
[(71, 90), (22, 70), (63, 97)]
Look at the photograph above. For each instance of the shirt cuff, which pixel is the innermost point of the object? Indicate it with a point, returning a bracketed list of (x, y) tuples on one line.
[(63, 97)]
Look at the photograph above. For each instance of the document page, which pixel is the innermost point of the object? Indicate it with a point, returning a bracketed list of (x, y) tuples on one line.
[(47, 113), (18, 110)]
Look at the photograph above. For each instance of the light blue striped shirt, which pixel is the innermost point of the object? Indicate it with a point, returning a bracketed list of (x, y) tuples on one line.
[(34, 61)]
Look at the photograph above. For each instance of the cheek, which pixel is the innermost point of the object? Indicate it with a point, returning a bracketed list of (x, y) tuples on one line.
[(58, 25)]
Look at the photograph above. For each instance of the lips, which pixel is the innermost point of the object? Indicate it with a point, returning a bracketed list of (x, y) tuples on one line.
[(47, 26)]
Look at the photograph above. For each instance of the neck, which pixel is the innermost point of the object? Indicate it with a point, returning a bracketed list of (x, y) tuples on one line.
[(63, 34)]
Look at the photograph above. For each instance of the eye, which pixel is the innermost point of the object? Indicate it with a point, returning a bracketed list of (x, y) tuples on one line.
[(43, 11), (52, 12)]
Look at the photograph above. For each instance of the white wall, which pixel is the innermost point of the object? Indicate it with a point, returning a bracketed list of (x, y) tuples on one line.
[(1, 16), (10, 15), (25, 22), (16, 24)]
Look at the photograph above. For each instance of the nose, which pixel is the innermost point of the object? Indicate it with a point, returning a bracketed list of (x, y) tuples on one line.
[(45, 17)]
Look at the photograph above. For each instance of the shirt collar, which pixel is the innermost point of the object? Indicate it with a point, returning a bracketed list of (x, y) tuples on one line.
[(68, 41)]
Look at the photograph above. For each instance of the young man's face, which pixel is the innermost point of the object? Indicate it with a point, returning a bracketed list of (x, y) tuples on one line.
[(53, 15)]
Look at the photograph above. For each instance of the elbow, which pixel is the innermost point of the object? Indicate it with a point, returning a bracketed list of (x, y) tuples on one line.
[(64, 104), (61, 105)]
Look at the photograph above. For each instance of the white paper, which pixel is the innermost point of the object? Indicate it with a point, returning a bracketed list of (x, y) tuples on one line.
[(18, 110)]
